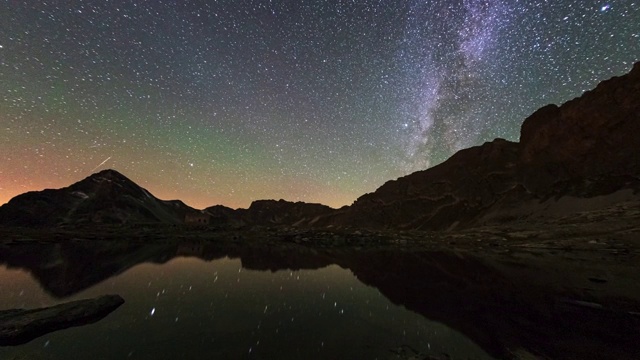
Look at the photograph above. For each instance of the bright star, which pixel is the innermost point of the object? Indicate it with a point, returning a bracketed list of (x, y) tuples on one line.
[(605, 8)]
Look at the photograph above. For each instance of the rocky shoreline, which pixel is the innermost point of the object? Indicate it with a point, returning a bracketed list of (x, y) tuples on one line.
[(529, 275), (615, 229)]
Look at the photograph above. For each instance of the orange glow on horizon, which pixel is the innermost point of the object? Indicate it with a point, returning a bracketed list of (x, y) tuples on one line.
[(197, 199)]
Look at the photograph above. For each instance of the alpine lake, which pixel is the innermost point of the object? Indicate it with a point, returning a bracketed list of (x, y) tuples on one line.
[(199, 299)]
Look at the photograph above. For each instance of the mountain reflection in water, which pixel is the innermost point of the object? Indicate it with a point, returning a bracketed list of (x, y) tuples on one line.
[(504, 305)]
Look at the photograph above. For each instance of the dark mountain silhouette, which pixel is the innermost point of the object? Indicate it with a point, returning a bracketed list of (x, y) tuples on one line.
[(582, 155), (106, 197), (587, 148), (589, 145), (270, 213)]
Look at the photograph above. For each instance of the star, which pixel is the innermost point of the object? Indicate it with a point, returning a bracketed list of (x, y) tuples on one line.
[(305, 101)]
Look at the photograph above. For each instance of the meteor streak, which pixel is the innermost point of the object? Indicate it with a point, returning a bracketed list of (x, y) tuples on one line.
[(102, 163)]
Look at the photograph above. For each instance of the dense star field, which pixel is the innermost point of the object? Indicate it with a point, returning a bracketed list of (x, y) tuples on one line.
[(225, 102)]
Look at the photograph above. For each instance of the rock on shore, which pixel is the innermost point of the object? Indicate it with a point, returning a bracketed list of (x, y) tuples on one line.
[(19, 326)]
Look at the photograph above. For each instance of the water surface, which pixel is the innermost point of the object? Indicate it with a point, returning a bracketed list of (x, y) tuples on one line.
[(189, 308), (194, 300)]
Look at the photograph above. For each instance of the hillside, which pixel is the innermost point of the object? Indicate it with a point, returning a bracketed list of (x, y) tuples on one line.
[(106, 197), (583, 155)]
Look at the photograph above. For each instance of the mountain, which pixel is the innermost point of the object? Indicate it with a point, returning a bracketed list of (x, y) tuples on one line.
[(593, 137), (582, 155), (269, 213), (106, 197)]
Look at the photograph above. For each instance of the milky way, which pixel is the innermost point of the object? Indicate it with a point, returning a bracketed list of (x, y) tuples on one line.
[(225, 102), (444, 110)]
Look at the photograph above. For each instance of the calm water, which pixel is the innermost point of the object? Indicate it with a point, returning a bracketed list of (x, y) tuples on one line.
[(190, 308), (208, 300)]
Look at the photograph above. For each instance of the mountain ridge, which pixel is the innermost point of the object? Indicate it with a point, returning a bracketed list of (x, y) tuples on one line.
[(586, 148)]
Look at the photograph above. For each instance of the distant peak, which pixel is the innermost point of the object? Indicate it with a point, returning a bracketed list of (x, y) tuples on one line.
[(109, 174)]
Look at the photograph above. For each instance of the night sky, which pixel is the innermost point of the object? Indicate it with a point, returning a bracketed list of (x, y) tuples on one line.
[(225, 102)]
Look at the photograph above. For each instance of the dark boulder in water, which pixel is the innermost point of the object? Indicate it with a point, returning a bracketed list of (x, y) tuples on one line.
[(19, 326)]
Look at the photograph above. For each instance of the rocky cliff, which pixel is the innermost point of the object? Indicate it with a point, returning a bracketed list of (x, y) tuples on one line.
[(269, 213), (582, 154)]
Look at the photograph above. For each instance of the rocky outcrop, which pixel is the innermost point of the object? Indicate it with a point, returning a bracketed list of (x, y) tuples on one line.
[(592, 139), (281, 212), (586, 148), (221, 215), (106, 197), (19, 326), (452, 192), (269, 213)]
